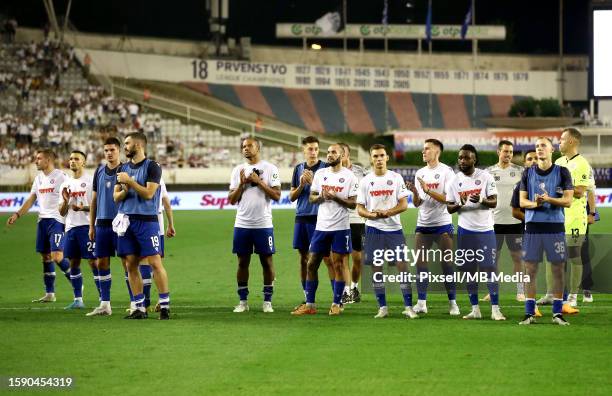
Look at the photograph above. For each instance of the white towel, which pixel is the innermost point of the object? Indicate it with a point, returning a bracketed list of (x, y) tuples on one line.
[(121, 222)]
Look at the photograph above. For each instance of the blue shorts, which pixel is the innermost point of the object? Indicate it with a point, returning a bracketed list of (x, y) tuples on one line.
[(336, 241), (49, 236), (377, 242), (302, 235), (444, 229), (140, 239), (261, 240), (106, 242), (475, 249), (77, 243), (534, 246)]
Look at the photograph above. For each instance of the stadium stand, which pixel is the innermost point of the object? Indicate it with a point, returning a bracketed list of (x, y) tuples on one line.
[(321, 110), (45, 101)]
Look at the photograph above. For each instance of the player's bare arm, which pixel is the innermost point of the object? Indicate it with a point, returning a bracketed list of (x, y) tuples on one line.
[(433, 194), (145, 192), (236, 194), (416, 199), (525, 202), (63, 208), (350, 202), (363, 212), (21, 211), (565, 201), (579, 191), (305, 179), (120, 192), (518, 214), (93, 208), (489, 202), (170, 231), (315, 198), (271, 192)]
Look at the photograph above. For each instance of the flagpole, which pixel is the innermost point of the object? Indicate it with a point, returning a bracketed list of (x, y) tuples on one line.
[(385, 23), (474, 63), (430, 73), (345, 104)]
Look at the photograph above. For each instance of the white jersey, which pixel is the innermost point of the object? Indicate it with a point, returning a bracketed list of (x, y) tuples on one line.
[(431, 212), (80, 192), (382, 193), (505, 180), (332, 216), (360, 172), (48, 194), (473, 216), (160, 214), (255, 208)]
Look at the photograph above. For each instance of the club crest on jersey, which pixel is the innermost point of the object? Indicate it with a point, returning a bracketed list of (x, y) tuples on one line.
[(372, 183), (437, 176), (325, 178), (341, 180), (108, 184), (389, 182), (497, 178), (477, 182), (512, 174), (52, 181), (83, 185), (542, 185)]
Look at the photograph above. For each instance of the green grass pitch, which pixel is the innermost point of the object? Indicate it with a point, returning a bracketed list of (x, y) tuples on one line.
[(207, 349)]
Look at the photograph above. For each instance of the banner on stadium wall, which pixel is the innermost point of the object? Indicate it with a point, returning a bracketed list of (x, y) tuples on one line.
[(391, 32), (539, 84), (482, 140), (217, 200)]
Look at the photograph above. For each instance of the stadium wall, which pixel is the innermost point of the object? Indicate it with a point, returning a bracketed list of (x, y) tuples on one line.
[(539, 84)]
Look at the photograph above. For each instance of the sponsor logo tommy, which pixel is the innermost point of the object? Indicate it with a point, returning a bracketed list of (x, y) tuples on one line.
[(467, 193), (46, 190), (332, 188), (378, 193)]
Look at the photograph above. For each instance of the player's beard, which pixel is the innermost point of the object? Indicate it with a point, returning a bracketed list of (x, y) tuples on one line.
[(130, 153), (334, 162)]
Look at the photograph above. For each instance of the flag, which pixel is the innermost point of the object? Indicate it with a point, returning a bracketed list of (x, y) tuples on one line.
[(466, 22), (385, 14), (428, 23), (330, 23)]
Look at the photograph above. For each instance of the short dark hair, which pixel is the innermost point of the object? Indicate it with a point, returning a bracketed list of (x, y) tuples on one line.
[(138, 136), (113, 141), (378, 146), (545, 138), (253, 138), (47, 152), (527, 152), (471, 148), (436, 142), (345, 147), (79, 152), (504, 143), (310, 139), (575, 133)]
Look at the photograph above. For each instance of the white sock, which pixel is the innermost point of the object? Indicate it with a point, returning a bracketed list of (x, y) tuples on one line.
[(520, 288), (354, 285), (422, 302), (79, 299), (104, 304)]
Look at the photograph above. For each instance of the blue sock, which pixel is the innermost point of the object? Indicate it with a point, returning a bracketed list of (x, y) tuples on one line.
[(557, 306), (76, 278), (422, 285), (565, 295), (472, 289), (311, 290), (406, 294), (451, 288), (333, 282), (49, 276), (338, 290), (493, 290), (268, 290), (530, 305), (96, 276), (243, 291), (164, 300), (139, 300), (105, 284), (145, 272), (379, 292), (64, 265), (127, 282)]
